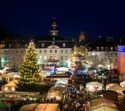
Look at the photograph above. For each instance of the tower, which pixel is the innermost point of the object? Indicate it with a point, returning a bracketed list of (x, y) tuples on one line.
[(82, 37), (54, 32)]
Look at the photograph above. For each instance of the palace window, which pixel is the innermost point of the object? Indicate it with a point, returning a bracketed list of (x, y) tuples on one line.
[(64, 45), (9, 45), (116, 48), (45, 51), (26, 45), (97, 48), (106, 48), (102, 48), (89, 48), (55, 51), (111, 48), (50, 51), (43, 45)]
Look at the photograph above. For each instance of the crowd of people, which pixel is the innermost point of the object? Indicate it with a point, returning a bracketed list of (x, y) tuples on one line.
[(75, 97)]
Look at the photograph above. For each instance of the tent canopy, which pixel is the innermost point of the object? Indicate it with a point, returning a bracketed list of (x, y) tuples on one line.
[(61, 81), (28, 107), (98, 103), (11, 83), (94, 85), (115, 87), (122, 84)]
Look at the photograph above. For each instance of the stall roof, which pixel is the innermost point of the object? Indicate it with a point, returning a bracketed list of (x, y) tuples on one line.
[(100, 102)]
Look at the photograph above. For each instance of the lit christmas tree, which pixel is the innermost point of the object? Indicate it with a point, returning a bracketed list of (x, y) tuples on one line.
[(29, 68)]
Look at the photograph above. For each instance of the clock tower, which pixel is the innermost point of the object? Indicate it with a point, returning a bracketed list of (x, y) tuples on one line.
[(54, 32)]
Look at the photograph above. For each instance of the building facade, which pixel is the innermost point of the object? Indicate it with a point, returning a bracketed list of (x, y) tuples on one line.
[(103, 53), (55, 50), (50, 50)]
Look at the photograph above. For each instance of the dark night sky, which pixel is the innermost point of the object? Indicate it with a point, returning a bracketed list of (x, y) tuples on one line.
[(33, 17)]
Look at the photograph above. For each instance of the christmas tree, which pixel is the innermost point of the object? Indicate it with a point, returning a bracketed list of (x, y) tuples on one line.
[(79, 55), (29, 68)]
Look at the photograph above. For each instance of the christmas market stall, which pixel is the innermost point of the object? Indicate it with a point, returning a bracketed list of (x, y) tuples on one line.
[(115, 87), (55, 93), (122, 84), (94, 86), (101, 104), (10, 86), (40, 107)]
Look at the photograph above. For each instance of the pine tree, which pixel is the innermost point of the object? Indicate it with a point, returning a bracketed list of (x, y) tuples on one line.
[(29, 68)]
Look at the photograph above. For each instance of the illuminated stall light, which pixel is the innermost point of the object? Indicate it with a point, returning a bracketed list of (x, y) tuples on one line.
[(6, 89), (13, 88)]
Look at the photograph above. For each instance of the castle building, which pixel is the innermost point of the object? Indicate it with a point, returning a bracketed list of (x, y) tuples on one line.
[(53, 49), (50, 50)]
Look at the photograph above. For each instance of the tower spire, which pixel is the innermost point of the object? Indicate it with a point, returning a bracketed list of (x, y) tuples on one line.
[(54, 28)]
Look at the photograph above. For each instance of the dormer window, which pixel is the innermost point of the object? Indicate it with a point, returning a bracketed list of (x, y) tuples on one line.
[(17, 45), (115, 48), (43, 45), (64, 45), (111, 48), (50, 51), (89, 48), (53, 43), (97, 48), (102, 48), (9, 45)]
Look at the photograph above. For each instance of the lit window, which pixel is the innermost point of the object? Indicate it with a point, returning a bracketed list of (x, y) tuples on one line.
[(102, 48), (45, 57), (9, 45), (42, 44), (89, 48), (53, 42), (13, 89), (25, 45), (115, 48), (18, 45), (64, 45), (97, 48), (111, 48), (6, 89)]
